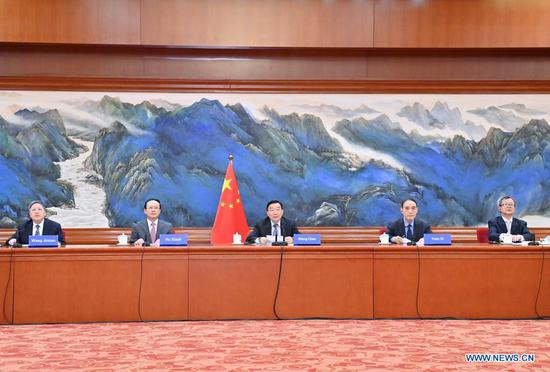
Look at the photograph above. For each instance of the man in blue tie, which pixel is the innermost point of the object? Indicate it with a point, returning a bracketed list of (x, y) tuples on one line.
[(274, 224), (409, 227), (506, 224)]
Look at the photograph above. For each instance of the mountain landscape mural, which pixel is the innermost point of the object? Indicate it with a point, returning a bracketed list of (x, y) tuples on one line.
[(334, 160)]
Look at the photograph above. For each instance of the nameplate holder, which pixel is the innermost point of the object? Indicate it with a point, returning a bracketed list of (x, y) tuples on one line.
[(437, 239), (173, 240), (43, 241), (307, 239)]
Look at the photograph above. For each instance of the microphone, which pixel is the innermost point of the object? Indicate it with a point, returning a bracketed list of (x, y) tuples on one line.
[(277, 242), (409, 242), (14, 245)]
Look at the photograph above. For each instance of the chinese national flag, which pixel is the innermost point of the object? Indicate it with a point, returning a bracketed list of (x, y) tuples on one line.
[(230, 217)]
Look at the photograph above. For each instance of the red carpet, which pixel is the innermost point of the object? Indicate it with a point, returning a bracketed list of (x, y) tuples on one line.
[(324, 345)]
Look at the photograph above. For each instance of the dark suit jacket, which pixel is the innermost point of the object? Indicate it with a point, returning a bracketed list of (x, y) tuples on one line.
[(140, 230), (263, 228), (497, 226), (397, 228), (26, 229)]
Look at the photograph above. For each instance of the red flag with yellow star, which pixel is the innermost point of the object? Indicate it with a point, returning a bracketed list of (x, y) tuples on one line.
[(230, 217)]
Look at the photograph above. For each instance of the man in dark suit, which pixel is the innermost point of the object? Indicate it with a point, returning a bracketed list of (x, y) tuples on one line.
[(36, 225), (147, 231), (409, 227), (274, 224), (506, 224)]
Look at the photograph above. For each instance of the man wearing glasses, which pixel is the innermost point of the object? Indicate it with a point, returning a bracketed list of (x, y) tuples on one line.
[(507, 225), (274, 225), (37, 224)]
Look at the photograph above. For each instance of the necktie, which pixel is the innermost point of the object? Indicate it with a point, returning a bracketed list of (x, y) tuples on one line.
[(409, 232), (37, 230), (509, 227), (153, 232), (275, 230)]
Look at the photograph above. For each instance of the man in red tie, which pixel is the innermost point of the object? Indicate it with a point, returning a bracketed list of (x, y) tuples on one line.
[(147, 231)]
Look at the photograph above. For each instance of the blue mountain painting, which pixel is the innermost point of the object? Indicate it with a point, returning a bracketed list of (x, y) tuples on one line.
[(455, 162)]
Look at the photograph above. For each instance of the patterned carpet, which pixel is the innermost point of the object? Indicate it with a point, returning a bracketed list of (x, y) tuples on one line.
[(325, 345)]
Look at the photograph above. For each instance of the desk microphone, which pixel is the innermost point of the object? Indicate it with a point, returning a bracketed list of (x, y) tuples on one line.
[(410, 241), (278, 243)]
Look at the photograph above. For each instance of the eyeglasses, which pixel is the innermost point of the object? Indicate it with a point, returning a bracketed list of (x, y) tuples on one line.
[(507, 205)]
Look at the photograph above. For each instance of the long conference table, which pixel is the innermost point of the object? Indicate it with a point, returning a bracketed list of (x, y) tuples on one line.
[(102, 283)]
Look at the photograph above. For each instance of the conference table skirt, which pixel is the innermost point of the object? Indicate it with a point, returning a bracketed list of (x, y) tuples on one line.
[(99, 283)]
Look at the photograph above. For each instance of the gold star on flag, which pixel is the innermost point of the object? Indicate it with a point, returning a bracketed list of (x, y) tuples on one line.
[(227, 184), (232, 219)]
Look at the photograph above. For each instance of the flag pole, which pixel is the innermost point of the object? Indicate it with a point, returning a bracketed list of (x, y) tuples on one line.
[(230, 225)]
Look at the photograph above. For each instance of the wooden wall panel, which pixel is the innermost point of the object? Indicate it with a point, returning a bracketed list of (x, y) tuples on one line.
[(543, 293), (54, 287), (279, 64), (67, 63), (464, 285), (465, 65), (280, 23), (7, 271), (70, 21), (289, 68), (326, 285), (257, 23), (237, 286), (165, 285), (395, 275), (188, 63), (461, 24)]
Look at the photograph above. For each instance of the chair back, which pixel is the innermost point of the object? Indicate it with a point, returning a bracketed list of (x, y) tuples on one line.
[(482, 234)]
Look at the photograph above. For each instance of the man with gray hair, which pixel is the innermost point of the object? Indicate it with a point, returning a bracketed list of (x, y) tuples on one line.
[(506, 224), (37, 224)]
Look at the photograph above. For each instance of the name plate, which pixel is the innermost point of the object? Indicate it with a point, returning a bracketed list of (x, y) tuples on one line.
[(437, 239), (38, 241), (307, 239), (173, 240)]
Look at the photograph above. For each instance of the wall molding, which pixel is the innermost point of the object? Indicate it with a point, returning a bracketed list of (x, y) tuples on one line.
[(47, 83)]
